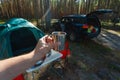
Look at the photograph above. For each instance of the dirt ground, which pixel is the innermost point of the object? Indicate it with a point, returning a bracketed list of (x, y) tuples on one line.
[(97, 59), (109, 38)]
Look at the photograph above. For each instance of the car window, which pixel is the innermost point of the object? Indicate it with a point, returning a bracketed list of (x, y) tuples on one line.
[(79, 20), (68, 20), (63, 20), (92, 21), (72, 20), (22, 40)]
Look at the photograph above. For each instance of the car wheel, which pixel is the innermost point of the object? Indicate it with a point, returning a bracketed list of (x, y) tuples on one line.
[(72, 36)]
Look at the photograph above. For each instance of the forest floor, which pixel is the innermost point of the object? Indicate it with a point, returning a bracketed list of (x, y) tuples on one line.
[(97, 59)]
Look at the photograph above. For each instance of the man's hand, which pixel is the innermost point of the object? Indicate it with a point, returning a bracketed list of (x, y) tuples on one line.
[(44, 45), (10, 68)]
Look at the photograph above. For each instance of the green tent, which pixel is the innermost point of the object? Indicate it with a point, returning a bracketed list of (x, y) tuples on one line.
[(18, 36)]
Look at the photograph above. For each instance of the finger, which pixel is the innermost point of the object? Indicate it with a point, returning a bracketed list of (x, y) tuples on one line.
[(54, 45), (43, 39), (49, 39)]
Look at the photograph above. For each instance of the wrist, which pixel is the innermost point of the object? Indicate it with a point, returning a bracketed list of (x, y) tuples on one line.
[(37, 56)]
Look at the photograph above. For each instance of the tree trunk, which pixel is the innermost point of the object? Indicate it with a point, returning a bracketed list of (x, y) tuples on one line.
[(48, 14)]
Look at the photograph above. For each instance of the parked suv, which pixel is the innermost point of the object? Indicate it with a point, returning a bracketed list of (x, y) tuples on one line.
[(79, 26)]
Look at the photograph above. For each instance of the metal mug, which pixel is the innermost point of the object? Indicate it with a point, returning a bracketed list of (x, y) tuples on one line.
[(59, 36)]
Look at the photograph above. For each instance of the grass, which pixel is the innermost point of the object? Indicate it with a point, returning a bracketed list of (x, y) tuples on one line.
[(118, 32), (2, 21), (109, 25)]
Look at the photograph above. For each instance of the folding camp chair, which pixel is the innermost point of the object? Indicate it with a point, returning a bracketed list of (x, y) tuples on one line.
[(20, 77)]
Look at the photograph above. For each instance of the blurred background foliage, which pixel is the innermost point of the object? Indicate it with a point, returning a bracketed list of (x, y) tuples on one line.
[(44, 10)]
